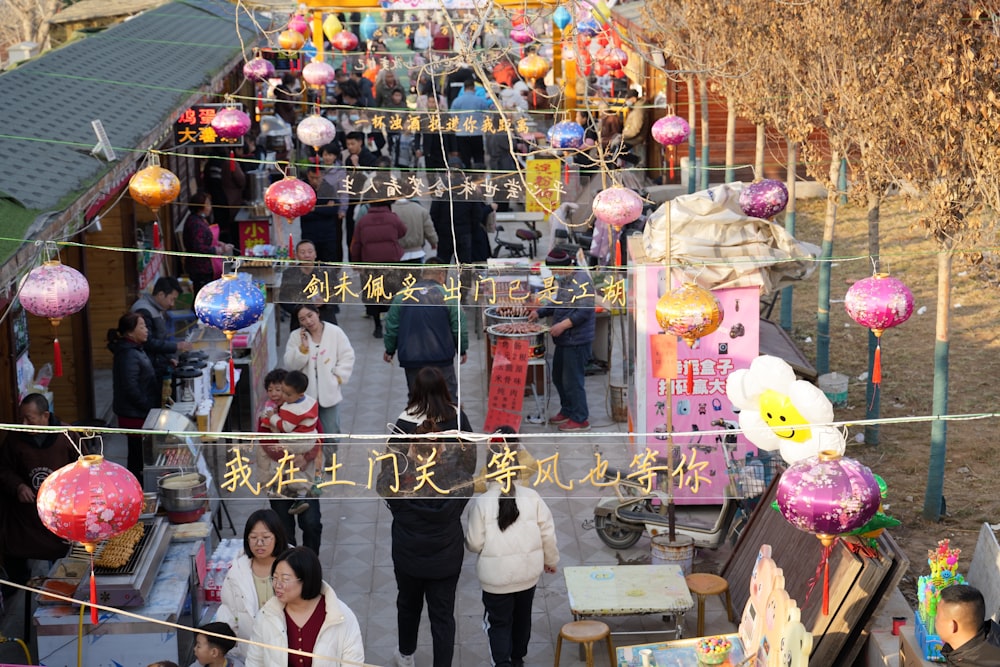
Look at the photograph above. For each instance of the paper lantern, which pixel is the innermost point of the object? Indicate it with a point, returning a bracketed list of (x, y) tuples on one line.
[(368, 27), (231, 123), (566, 134), (331, 26), (318, 73), (690, 312), (561, 17), (615, 59), (671, 131), (154, 186), (258, 69), (878, 303), (764, 199), (315, 131), (89, 501), (588, 27), (522, 34), (618, 206), (230, 304), (299, 24), (828, 495), (291, 40), (345, 40), (54, 291), (290, 198), (533, 66)]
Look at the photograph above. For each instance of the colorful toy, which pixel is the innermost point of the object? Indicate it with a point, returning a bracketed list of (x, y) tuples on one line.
[(765, 577), (796, 642), (713, 650)]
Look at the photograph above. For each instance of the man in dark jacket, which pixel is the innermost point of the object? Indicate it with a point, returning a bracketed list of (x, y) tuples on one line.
[(572, 330), (26, 460), (160, 346), (428, 543), (358, 163), (959, 623), (427, 331)]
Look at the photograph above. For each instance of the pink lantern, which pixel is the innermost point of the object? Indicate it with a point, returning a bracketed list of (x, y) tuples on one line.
[(522, 34), (299, 24), (617, 206), (878, 303), (764, 199), (671, 131), (89, 501), (345, 40), (290, 198), (828, 495), (258, 69), (315, 131), (54, 291), (318, 73), (231, 123)]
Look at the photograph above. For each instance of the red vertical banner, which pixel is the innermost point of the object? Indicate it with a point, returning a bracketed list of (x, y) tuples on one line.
[(507, 381)]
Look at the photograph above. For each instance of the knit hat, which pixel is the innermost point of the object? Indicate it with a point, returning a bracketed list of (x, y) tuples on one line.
[(558, 257)]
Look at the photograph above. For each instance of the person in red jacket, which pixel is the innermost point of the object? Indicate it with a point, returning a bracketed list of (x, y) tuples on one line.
[(376, 241)]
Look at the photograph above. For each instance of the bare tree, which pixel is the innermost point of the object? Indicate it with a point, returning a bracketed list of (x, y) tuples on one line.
[(27, 21)]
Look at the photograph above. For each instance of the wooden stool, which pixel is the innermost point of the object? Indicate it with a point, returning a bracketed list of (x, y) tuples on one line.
[(702, 585), (586, 633)]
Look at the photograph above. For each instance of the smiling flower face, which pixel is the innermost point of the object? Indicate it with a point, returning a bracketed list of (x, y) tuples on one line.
[(781, 415)]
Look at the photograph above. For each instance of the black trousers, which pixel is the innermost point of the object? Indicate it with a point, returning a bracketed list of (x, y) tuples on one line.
[(471, 150), (440, 596), (508, 625)]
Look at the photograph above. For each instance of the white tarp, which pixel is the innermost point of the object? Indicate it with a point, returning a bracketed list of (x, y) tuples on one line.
[(723, 246)]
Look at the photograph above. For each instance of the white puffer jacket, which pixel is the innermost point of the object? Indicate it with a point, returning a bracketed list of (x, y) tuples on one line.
[(328, 365), (239, 603), (339, 638), (511, 560)]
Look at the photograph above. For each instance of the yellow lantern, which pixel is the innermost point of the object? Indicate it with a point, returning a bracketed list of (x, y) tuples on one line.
[(533, 66), (154, 186), (690, 312), (331, 26), (291, 40)]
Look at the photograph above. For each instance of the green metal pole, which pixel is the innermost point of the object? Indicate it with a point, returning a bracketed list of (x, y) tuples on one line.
[(939, 435), (692, 139), (786, 293), (873, 397), (842, 181), (703, 95), (823, 310)]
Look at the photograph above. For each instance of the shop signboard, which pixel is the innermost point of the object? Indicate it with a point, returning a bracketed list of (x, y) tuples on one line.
[(544, 180), (194, 127)]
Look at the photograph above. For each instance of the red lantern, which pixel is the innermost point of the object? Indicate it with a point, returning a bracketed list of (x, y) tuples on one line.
[(345, 40), (54, 291), (290, 198), (879, 303), (90, 501)]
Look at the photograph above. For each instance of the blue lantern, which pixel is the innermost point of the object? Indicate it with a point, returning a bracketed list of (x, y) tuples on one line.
[(566, 134), (229, 304), (368, 27), (588, 27), (561, 17)]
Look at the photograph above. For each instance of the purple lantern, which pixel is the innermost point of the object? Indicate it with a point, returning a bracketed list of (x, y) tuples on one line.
[(54, 291), (522, 34), (879, 303), (315, 131), (617, 206), (764, 199), (231, 123), (318, 73), (671, 130), (566, 134), (258, 69)]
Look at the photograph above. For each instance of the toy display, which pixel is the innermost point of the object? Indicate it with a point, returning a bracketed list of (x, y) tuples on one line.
[(943, 562)]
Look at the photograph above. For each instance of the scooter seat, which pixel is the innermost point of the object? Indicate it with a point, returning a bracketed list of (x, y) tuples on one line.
[(528, 234)]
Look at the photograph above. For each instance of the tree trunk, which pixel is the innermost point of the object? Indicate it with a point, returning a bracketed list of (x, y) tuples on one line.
[(703, 94), (873, 397), (786, 293), (939, 429), (692, 140), (825, 255), (758, 158), (730, 141)]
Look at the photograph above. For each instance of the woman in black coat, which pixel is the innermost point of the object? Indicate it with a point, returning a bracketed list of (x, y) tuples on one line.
[(136, 388)]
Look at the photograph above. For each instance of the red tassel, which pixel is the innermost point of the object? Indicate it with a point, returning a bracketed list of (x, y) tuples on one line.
[(93, 593), (291, 248), (232, 160), (57, 362), (877, 364), (671, 163), (156, 235), (567, 172), (232, 370), (826, 579), (690, 377)]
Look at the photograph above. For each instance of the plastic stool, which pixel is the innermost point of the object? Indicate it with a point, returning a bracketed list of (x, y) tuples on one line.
[(586, 633), (702, 585)]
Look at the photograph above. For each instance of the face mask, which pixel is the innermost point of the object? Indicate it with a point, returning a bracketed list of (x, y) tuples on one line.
[(354, 117)]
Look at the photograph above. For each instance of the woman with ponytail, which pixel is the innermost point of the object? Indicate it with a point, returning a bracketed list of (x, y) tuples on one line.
[(511, 529)]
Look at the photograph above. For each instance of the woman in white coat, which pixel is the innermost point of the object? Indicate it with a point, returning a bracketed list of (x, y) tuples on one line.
[(304, 615), (247, 585), (511, 529), (323, 352)]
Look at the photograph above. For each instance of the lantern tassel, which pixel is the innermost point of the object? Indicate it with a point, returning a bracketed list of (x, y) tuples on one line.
[(671, 163), (826, 579), (567, 172), (877, 364), (57, 368), (690, 377), (291, 247), (93, 592), (232, 160), (156, 236), (232, 369)]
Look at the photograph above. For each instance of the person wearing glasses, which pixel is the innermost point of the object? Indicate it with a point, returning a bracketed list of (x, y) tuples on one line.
[(304, 615), (247, 585)]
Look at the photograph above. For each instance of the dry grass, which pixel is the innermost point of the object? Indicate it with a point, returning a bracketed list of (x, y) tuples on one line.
[(908, 365)]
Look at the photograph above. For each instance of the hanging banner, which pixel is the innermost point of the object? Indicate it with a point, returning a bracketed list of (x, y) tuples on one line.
[(544, 185), (507, 381)]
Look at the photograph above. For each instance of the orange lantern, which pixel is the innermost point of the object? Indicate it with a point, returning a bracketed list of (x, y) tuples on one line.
[(291, 40), (533, 66), (691, 312), (154, 186)]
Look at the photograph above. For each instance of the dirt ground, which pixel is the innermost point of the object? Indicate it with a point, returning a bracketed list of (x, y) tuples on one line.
[(902, 455)]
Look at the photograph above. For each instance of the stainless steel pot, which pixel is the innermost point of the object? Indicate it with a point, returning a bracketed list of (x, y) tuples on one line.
[(183, 491)]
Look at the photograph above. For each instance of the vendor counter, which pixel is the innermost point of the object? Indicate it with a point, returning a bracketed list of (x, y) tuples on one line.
[(120, 640), (680, 653)]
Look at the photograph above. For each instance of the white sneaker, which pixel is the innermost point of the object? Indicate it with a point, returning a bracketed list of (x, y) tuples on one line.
[(403, 660)]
